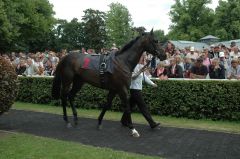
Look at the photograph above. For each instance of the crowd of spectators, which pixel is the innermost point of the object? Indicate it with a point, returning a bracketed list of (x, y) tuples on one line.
[(33, 64), (218, 62)]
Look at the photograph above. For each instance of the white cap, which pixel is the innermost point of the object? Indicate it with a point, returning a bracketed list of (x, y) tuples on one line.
[(191, 48), (221, 54)]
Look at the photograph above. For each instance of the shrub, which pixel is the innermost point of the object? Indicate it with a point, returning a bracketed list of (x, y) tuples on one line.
[(8, 85), (180, 98)]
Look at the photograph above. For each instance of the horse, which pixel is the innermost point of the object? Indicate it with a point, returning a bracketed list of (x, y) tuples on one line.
[(70, 76)]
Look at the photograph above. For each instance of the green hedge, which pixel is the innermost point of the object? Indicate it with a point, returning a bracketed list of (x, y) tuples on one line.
[(217, 100)]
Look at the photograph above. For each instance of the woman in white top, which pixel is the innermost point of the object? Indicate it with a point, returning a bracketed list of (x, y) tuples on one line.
[(136, 98)]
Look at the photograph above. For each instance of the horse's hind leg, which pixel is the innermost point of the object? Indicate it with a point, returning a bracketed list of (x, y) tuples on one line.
[(66, 84), (77, 85), (64, 94), (107, 106)]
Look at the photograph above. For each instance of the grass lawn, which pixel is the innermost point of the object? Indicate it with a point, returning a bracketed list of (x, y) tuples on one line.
[(203, 124), (24, 146)]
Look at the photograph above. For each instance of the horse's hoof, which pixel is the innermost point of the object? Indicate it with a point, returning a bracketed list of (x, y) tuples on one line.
[(75, 123), (135, 133), (155, 126), (69, 125), (99, 127)]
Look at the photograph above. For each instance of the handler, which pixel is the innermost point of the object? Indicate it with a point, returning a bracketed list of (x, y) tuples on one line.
[(136, 97)]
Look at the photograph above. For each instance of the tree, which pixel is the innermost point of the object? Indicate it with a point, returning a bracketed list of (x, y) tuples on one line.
[(94, 29), (139, 30), (191, 20), (119, 25), (26, 24), (159, 35), (8, 20), (227, 20), (72, 36)]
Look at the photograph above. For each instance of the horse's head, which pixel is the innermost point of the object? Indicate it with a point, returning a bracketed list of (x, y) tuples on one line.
[(153, 47)]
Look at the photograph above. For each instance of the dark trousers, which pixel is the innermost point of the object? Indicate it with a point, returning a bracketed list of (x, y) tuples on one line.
[(136, 98)]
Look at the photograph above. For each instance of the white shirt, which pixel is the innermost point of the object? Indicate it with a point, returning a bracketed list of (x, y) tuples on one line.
[(235, 72), (136, 83), (192, 56), (234, 55)]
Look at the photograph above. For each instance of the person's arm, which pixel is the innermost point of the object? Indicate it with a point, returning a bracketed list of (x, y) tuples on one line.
[(229, 74), (36, 70), (148, 81), (194, 76), (136, 71)]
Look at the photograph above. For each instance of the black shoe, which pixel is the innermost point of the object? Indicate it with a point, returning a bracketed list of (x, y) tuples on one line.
[(155, 126)]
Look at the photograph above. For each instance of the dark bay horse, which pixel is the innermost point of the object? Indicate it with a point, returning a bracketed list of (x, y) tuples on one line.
[(70, 76)]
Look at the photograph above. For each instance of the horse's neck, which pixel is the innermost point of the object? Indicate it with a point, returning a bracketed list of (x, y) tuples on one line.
[(132, 56)]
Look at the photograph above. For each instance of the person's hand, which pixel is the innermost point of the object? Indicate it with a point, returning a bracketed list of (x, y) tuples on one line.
[(155, 85), (143, 69), (229, 77), (216, 67)]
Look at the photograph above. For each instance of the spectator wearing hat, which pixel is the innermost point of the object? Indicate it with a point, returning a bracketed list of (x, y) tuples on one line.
[(192, 55), (234, 71), (198, 70), (216, 70), (223, 61)]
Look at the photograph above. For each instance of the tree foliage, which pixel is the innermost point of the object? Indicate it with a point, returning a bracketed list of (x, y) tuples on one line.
[(94, 29), (25, 24), (70, 34), (191, 20), (119, 25), (227, 20), (160, 36)]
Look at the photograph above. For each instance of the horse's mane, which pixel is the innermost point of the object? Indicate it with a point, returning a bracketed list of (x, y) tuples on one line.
[(127, 46)]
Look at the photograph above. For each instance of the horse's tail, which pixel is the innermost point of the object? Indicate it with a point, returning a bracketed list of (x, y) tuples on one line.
[(56, 86)]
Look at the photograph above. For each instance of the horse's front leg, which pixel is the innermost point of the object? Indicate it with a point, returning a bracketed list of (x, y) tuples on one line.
[(110, 97), (127, 111)]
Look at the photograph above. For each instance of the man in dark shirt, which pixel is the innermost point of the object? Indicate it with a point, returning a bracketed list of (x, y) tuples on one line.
[(198, 70)]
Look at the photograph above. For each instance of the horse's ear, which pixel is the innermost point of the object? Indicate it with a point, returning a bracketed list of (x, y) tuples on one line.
[(151, 32)]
